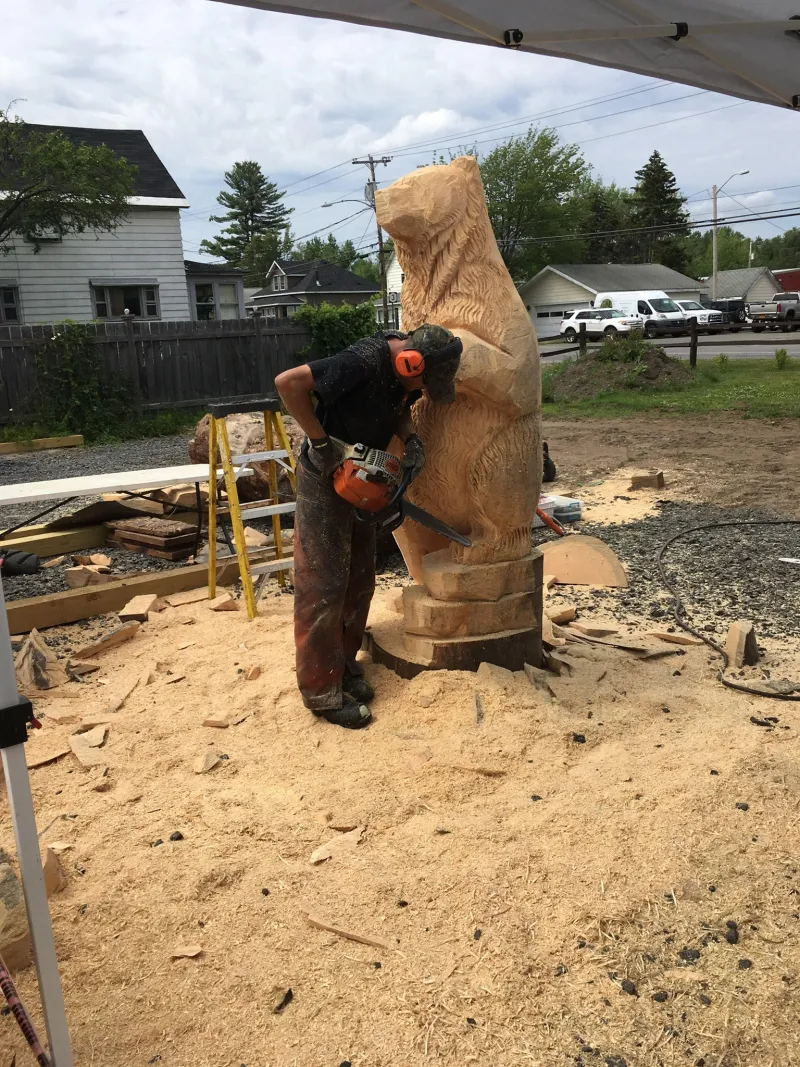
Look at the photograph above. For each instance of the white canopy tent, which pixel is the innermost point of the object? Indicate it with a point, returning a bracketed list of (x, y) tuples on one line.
[(746, 48)]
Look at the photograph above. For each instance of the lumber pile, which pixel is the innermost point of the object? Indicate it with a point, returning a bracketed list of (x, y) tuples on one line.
[(162, 501), (162, 538)]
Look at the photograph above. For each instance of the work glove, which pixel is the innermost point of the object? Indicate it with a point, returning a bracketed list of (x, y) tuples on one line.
[(325, 455), (414, 456)]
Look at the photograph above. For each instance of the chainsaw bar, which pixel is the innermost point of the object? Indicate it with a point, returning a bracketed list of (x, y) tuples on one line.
[(411, 511)]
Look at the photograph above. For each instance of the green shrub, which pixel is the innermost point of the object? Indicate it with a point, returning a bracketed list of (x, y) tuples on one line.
[(335, 326), (782, 359), (721, 362), (623, 348), (607, 303), (72, 392)]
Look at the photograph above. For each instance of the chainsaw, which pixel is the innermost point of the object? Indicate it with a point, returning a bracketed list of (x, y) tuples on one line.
[(374, 482)]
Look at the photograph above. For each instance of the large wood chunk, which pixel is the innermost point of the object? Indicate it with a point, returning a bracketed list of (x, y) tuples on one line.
[(741, 644), (447, 580), (466, 618), (580, 560), (137, 610), (410, 654), (37, 666)]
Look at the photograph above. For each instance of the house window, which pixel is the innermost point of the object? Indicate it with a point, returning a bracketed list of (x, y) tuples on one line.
[(279, 283), (228, 300), (112, 301), (205, 308), (9, 304), (270, 312)]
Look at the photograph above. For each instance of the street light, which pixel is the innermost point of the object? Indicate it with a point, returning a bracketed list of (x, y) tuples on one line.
[(715, 235)]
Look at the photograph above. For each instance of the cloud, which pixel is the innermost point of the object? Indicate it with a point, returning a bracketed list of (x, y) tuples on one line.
[(211, 83)]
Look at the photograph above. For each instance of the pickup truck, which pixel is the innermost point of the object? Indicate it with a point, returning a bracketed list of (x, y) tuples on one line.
[(783, 312)]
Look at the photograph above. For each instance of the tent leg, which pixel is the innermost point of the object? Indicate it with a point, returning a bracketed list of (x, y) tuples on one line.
[(20, 802)]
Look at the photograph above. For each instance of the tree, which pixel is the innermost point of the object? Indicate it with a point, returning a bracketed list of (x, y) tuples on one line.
[(50, 184), (262, 252), (531, 184), (605, 208), (255, 206), (734, 251), (658, 201), (775, 252), (342, 255), (367, 267)]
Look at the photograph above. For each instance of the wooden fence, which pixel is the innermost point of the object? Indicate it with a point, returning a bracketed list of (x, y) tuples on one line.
[(165, 364)]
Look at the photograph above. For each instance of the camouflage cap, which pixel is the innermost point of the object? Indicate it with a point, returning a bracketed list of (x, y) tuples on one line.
[(442, 352)]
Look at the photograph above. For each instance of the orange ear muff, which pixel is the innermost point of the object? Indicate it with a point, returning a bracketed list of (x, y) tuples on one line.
[(409, 363)]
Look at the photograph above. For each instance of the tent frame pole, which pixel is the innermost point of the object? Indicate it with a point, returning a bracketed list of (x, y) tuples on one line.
[(15, 714)]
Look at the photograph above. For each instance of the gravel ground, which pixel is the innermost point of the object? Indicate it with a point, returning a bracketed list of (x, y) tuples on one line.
[(722, 574)]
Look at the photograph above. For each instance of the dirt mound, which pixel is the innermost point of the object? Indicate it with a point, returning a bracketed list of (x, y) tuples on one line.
[(596, 373)]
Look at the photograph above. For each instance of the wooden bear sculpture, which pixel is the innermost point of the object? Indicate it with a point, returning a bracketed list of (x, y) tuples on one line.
[(484, 465)]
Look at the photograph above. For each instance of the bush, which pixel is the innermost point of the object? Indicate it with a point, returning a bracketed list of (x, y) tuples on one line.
[(721, 361), (334, 327), (72, 393), (782, 359), (624, 348), (607, 303)]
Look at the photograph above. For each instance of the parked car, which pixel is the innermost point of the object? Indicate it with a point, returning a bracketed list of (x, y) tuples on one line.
[(734, 311), (659, 316), (600, 322), (707, 319), (783, 312)]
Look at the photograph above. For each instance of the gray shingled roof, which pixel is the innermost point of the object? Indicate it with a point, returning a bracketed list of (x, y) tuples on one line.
[(152, 179), (732, 284), (320, 277), (197, 266), (622, 277)]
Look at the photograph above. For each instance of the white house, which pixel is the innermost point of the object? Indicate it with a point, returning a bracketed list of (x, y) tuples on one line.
[(91, 276), (563, 287), (752, 284), (394, 294)]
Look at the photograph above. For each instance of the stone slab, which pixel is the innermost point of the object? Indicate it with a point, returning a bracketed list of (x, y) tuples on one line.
[(408, 655), (447, 580), (425, 615)]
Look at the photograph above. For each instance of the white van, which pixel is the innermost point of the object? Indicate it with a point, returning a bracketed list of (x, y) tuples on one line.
[(659, 314)]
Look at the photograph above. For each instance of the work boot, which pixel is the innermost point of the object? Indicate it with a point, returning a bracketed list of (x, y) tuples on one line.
[(357, 687), (352, 715)]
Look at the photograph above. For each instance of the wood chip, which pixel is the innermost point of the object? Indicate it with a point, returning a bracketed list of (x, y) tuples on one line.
[(477, 707), (560, 615), (95, 736), (254, 538), (61, 714), (596, 629), (351, 935), (53, 562), (187, 952), (224, 602), (487, 772), (186, 644), (34, 758), (118, 702), (219, 721), (555, 663), (340, 843), (137, 610), (111, 640), (741, 644), (37, 666), (548, 582), (54, 878), (175, 678), (678, 638), (647, 480), (78, 577), (85, 754), (188, 596), (548, 635), (252, 673), (100, 559), (205, 763)]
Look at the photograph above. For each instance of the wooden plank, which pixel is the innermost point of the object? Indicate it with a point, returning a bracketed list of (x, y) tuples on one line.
[(38, 444), (57, 542), (40, 612), (95, 484)]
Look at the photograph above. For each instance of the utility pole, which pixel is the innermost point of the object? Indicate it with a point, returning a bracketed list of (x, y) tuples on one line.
[(714, 246), (370, 191)]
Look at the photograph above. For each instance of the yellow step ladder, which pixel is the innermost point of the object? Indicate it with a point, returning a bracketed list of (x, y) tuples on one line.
[(235, 466)]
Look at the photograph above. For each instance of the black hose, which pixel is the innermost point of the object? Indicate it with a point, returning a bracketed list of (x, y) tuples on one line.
[(679, 610)]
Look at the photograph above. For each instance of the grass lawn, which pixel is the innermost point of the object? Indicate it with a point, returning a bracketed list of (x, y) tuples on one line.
[(156, 424), (753, 388)]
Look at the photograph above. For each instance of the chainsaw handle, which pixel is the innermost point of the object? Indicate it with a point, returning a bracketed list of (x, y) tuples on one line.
[(368, 518)]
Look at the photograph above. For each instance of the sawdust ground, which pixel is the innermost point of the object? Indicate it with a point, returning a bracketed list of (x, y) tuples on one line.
[(537, 890)]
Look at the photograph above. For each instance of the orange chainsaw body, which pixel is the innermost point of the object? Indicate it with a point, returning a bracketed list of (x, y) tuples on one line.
[(367, 478)]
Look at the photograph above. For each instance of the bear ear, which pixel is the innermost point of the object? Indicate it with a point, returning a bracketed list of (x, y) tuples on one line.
[(467, 164)]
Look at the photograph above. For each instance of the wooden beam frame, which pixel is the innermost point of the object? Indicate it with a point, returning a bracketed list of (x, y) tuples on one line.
[(46, 542), (39, 444)]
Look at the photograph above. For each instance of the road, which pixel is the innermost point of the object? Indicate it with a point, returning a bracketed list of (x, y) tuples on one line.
[(734, 349)]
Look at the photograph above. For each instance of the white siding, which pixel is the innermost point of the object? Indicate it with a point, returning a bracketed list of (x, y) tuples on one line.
[(394, 284), (760, 293), (55, 283), (551, 288), (686, 294)]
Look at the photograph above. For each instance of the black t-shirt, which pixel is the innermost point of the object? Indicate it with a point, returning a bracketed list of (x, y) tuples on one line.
[(359, 398)]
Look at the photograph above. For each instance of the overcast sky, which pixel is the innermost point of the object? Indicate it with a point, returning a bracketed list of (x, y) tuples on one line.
[(211, 83)]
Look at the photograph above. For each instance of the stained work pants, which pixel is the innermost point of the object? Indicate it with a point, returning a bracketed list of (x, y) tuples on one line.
[(334, 579)]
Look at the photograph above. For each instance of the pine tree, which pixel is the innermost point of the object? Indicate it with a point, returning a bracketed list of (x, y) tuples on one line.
[(255, 207), (658, 201)]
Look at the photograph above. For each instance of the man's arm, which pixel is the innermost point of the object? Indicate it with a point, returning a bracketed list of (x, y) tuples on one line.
[(295, 387)]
